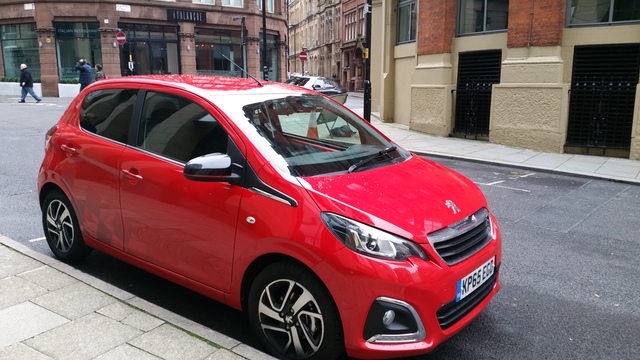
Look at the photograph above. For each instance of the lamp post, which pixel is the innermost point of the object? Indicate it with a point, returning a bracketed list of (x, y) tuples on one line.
[(367, 62), (265, 69), (243, 36)]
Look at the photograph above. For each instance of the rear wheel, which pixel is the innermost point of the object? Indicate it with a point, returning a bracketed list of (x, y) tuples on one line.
[(61, 228), (293, 314)]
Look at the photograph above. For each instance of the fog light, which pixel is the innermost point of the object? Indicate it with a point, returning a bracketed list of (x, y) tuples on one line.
[(388, 317)]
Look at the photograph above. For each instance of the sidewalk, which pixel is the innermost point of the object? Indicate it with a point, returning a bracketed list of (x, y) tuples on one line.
[(49, 310), (616, 169)]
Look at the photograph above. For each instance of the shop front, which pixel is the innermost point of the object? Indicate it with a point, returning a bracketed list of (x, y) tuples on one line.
[(150, 49), (74, 41)]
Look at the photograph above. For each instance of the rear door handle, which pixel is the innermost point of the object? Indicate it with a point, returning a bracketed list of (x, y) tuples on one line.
[(133, 178), (69, 150)]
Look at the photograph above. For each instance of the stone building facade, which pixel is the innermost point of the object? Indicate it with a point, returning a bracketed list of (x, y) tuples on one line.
[(162, 37), (549, 75)]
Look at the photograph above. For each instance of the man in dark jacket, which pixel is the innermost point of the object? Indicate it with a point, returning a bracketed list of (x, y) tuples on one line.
[(26, 82), (85, 77)]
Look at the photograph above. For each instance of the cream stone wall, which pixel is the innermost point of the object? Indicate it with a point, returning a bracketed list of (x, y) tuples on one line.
[(431, 109), (405, 63), (529, 116)]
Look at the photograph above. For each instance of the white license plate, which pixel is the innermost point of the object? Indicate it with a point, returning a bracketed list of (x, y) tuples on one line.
[(471, 282)]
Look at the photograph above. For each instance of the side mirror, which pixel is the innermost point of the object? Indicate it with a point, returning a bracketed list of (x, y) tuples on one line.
[(214, 167)]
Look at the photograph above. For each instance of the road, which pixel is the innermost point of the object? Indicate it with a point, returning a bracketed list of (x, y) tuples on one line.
[(569, 274)]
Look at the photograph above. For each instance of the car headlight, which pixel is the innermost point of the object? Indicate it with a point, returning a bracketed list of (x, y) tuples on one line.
[(371, 241)]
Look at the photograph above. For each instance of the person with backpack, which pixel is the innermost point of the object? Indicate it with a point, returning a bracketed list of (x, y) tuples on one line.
[(100, 73)]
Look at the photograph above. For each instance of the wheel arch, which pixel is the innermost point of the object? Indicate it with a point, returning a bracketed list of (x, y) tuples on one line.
[(260, 264)]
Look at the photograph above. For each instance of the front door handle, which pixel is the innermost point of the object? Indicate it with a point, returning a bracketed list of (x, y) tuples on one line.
[(133, 178)]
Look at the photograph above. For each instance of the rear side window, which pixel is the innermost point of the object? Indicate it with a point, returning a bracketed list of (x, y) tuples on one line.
[(108, 113), (179, 128)]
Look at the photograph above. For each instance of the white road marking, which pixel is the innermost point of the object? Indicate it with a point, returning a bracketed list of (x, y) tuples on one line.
[(38, 239)]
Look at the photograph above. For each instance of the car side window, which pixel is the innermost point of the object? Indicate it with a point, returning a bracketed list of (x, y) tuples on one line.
[(179, 128), (108, 113)]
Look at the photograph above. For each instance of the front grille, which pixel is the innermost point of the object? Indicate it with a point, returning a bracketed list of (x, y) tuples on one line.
[(459, 241), (451, 312)]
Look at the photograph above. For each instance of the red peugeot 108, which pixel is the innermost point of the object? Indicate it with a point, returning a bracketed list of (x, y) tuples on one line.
[(275, 200)]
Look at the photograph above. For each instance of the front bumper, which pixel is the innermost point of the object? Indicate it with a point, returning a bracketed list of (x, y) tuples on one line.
[(364, 288)]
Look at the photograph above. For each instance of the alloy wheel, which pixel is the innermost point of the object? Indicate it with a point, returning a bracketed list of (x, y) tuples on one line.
[(60, 226)]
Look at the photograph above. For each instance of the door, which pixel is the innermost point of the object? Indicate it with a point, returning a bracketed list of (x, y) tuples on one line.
[(477, 72), (184, 226), (602, 99)]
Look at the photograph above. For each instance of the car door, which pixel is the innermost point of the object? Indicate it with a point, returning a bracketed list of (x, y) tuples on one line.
[(185, 226), (94, 154)]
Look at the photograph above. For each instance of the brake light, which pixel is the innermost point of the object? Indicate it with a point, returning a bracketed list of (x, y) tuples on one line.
[(49, 135)]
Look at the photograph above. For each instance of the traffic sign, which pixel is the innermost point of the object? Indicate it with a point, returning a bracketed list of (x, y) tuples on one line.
[(121, 38), (303, 56)]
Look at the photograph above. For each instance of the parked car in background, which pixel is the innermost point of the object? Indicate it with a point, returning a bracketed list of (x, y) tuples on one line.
[(321, 84), (277, 201)]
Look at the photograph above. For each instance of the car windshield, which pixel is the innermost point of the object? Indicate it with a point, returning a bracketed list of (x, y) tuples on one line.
[(313, 134)]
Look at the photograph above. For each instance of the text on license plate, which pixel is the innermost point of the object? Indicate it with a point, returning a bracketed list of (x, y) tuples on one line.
[(471, 282)]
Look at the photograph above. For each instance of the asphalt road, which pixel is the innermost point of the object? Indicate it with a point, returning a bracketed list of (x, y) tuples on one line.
[(569, 275)]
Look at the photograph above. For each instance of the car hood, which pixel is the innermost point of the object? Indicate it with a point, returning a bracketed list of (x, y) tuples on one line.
[(410, 199)]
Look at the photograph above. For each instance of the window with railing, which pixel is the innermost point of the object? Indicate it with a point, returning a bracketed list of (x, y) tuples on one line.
[(406, 31), (592, 12), (479, 16)]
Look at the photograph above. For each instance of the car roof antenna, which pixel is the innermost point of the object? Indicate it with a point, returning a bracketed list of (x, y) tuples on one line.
[(243, 70)]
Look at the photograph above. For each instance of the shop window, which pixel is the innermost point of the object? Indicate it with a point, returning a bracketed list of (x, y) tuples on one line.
[(479, 16), (20, 45), (406, 31), (212, 46), (592, 12), (75, 41)]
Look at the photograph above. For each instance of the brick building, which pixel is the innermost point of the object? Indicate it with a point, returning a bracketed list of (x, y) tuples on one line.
[(550, 75), (162, 37)]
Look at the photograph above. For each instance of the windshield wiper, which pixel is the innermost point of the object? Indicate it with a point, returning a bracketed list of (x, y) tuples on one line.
[(374, 158)]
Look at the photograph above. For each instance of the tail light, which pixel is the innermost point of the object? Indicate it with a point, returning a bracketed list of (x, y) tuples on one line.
[(49, 135)]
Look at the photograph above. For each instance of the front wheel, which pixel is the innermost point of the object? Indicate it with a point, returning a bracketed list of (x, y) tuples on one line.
[(61, 228), (293, 314)]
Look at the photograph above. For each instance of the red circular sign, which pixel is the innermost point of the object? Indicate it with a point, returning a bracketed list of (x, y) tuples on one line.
[(121, 38), (303, 56)]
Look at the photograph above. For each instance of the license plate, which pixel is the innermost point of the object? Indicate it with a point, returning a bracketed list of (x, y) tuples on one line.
[(471, 282)]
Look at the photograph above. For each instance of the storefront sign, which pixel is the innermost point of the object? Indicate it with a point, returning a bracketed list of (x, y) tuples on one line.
[(77, 30), (186, 15), (123, 7)]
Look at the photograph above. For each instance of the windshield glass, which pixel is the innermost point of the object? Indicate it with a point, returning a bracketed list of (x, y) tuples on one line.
[(315, 135)]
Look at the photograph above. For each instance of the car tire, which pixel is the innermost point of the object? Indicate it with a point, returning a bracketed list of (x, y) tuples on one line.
[(281, 320), (61, 228)]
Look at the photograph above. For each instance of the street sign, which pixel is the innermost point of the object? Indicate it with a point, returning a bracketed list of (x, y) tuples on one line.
[(121, 38), (303, 56)]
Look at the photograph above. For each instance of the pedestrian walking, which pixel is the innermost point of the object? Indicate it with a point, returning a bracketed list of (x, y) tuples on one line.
[(26, 82), (85, 77), (100, 73)]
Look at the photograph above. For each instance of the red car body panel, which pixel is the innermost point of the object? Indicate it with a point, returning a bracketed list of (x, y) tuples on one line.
[(140, 208)]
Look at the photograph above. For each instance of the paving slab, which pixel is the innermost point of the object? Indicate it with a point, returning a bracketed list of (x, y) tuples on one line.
[(26, 320), (168, 342), (75, 300)]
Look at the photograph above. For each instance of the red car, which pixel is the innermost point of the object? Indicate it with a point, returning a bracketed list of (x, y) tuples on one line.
[(275, 200)]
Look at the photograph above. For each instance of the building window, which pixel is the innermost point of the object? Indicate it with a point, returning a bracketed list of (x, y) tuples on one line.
[(20, 45), (210, 2), (406, 21), (212, 46), (602, 11), (77, 41), (350, 26), (269, 5), (478, 16), (237, 3)]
